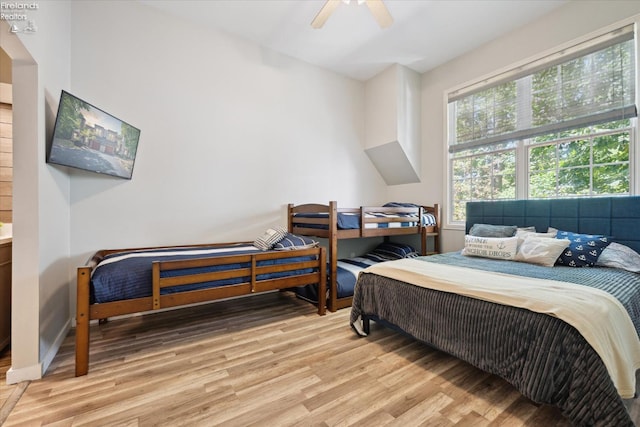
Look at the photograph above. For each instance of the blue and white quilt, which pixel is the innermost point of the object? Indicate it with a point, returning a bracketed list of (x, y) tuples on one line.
[(351, 221), (127, 275)]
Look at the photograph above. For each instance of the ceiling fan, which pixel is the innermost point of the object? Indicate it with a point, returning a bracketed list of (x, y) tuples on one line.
[(377, 8)]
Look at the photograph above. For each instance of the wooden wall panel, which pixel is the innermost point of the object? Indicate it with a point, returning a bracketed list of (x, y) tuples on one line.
[(6, 189), (6, 145), (6, 130), (6, 163)]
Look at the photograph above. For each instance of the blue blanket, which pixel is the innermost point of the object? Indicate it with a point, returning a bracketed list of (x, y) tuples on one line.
[(127, 275)]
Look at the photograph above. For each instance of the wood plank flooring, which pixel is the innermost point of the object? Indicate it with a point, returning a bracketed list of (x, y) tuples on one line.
[(5, 364), (266, 360)]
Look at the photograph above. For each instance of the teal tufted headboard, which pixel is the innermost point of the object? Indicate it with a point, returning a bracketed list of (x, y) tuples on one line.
[(618, 217)]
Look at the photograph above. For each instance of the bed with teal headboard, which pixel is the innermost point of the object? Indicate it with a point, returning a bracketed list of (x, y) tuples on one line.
[(518, 327)]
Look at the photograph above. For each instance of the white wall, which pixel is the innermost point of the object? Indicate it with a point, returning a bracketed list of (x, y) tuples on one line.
[(567, 23), (381, 108), (40, 313), (230, 132)]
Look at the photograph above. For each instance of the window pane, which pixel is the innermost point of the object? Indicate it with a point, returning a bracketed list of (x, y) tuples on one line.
[(574, 153), (489, 112), (481, 166), (459, 210), (461, 168), (584, 86), (462, 189), (481, 188), (504, 175), (542, 185), (543, 158), (595, 164), (611, 179), (574, 181), (611, 148), (619, 124)]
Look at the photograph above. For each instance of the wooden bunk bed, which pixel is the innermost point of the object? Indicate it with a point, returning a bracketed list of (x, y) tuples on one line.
[(335, 223), (174, 276)]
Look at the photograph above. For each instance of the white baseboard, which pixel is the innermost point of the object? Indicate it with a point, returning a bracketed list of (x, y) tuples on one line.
[(35, 372), (15, 376)]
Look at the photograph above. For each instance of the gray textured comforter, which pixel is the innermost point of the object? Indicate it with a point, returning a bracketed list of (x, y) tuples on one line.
[(542, 356)]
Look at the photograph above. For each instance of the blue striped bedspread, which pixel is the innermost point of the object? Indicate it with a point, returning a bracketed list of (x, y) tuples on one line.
[(127, 275), (351, 221), (346, 275)]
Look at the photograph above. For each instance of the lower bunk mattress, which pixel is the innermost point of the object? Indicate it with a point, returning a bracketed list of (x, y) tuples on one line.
[(128, 275), (349, 269)]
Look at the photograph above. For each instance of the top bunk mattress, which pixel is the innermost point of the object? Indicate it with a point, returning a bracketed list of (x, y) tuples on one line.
[(351, 221)]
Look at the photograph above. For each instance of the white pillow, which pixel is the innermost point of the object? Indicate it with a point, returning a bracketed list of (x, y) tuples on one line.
[(541, 250), (525, 233), (530, 228), (491, 247)]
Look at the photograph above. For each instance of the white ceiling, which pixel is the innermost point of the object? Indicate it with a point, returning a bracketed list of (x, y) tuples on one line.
[(425, 33)]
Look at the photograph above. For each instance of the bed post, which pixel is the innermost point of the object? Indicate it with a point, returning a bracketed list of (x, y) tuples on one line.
[(322, 286), (290, 217), (423, 231), (82, 321), (333, 257), (436, 240)]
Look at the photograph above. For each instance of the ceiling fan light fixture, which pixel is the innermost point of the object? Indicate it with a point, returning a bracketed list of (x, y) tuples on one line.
[(378, 10)]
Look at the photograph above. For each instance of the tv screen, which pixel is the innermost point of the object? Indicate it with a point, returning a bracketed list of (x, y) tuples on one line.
[(85, 137)]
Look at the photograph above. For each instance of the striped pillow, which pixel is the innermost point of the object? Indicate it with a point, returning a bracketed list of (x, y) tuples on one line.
[(292, 241), (270, 238), (390, 250)]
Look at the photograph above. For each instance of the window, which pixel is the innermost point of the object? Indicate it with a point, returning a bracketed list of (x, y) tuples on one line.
[(592, 162), (560, 127)]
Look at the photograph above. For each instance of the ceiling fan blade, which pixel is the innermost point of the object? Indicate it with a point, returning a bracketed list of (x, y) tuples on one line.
[(324, 13), (380, 13)]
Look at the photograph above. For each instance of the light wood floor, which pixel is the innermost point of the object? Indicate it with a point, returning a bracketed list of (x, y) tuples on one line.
[(5, 364), (266, 360)]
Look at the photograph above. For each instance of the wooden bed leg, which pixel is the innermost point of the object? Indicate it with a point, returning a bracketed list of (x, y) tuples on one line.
[(366, 325), (332, 304), (322, 286), (82, 321)]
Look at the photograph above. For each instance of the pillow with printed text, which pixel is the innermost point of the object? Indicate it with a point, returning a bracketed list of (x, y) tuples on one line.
[(490, 247)]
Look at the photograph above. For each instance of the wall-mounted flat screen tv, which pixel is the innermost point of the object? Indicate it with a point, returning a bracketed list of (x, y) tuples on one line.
[(85, 137)]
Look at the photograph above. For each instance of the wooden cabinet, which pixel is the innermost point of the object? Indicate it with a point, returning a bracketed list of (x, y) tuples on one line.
[(5, 294)]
